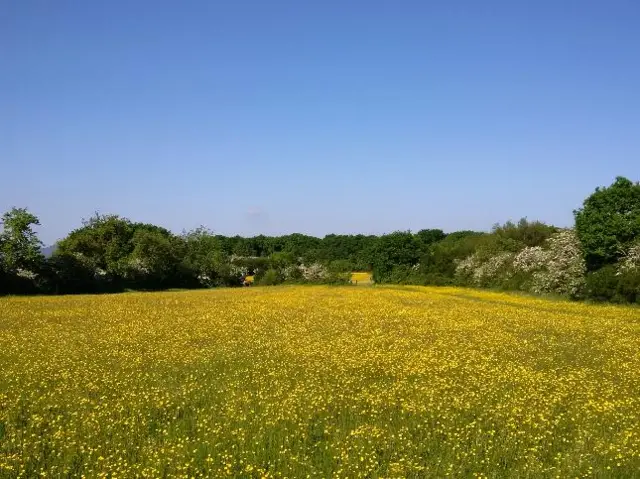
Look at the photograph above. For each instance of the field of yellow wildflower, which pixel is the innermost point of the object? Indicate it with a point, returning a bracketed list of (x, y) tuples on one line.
[(318, 382)]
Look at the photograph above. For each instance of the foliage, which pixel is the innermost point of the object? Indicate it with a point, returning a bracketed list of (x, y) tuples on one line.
[(20, 248), (527, 233), (428, 237), (610, 284), (392, 251), (109, 253), (556, 267), (438, 264), (609, 222), (564, 270), (21, 259), (631, 259), (269, 278), (340, 266), (314, 273), (602, 285)]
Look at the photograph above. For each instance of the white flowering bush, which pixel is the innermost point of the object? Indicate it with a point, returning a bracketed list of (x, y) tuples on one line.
[(465, 268), (291, 272), (26, 274), (565, 268), (494, 268), (314, 272), (475, 270), (557, 267), (631, 260), (530, 259)]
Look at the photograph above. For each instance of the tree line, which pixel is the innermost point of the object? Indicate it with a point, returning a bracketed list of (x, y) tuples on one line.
[(598, 258)]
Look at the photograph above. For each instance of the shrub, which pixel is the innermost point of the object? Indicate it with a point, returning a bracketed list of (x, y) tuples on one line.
[(400, 274), (270, 277), (293, 274), (314, 273), (631, 260), (603, 284), (529, 233), (557, 267), (338, 278), (564, 270)]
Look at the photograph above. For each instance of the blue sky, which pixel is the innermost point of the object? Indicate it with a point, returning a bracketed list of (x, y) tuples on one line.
[(316, 117)]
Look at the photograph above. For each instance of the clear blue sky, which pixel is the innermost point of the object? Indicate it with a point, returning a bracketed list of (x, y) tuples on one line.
[(315, 117)]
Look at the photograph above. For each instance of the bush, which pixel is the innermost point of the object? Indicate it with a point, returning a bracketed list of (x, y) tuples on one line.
[(314, 273), (603, 284), (629, 286), (433, 279), (528, 233), (517, 281), (338, 278), (400, 275), (270, 277), (293, 274)]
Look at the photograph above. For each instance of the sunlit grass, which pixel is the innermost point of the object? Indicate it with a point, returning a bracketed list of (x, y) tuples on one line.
[(318, 382)]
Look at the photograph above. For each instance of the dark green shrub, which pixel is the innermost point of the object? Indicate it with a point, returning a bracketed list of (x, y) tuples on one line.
[(337, 278), (270, 277), (400, 275), (516, 282), (603, 285), (294, 275), (629, 286)]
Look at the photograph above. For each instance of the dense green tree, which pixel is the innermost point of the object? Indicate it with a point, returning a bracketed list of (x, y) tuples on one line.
[(72, 274), (20, 248), (155, 259), (297, 244), (243, 247), (609, 222), (396, 249), (282, 260), (103, 241), (204, 255), (340, 266), (429, 237)]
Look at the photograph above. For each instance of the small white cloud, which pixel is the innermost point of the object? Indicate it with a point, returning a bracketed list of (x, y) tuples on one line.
[(256, 212)]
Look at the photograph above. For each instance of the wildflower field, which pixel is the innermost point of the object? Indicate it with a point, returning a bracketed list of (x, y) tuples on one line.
[(319, 381)]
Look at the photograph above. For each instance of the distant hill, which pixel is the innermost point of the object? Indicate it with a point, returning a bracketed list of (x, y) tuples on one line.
[(48, 251)]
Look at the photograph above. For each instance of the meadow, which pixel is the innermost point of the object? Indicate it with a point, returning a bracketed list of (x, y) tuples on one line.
[(300, 381)]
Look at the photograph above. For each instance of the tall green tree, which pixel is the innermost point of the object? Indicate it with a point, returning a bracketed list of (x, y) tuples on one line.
[(609, 222), (20, 248), (103, 241)]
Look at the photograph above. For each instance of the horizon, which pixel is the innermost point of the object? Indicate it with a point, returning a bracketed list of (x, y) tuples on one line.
[(41, 227), (218, 233), (319, 119)]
